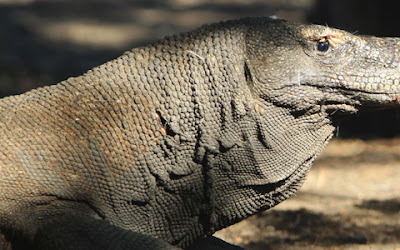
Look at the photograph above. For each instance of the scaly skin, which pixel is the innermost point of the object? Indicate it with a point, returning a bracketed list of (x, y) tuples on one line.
[(175, 140)]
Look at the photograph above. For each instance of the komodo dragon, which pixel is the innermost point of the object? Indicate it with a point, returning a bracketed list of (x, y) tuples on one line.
[(173, 141)]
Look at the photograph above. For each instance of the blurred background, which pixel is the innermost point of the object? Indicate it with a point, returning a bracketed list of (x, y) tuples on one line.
[(351, 197)]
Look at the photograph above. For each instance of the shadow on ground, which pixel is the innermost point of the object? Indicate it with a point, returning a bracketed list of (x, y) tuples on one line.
[(391, 206), (302, 228)]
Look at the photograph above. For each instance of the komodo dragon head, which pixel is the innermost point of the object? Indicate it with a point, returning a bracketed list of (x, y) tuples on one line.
[(303, 79), (303, 66)]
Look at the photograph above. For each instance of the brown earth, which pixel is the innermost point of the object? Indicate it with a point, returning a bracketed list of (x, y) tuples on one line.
[(350, 200)]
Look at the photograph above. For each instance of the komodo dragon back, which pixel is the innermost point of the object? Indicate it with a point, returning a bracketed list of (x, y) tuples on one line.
[(171, 142)]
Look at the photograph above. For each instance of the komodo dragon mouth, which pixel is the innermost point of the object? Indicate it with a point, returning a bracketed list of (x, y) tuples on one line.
[(392, 97), (395, 89), (354, 91)]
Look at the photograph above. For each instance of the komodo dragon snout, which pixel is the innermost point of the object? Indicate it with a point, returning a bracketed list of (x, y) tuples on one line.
[(173, 141)]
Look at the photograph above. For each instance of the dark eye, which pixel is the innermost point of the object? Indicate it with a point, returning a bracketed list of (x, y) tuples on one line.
[(323, 46)]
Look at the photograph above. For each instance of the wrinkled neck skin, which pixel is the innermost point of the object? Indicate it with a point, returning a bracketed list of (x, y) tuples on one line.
[(253, 151), (264, 155), (263, 149)]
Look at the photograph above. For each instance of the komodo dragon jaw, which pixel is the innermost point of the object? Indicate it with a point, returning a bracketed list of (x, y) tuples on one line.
[(172, 141)]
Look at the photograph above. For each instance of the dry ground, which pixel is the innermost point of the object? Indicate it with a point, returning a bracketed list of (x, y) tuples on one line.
[(350, 200)]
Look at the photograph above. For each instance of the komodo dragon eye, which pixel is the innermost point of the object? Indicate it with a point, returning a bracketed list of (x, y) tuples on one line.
[(323, 45)]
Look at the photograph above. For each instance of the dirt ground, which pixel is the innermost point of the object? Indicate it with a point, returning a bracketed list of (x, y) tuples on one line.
[(350, 200)]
